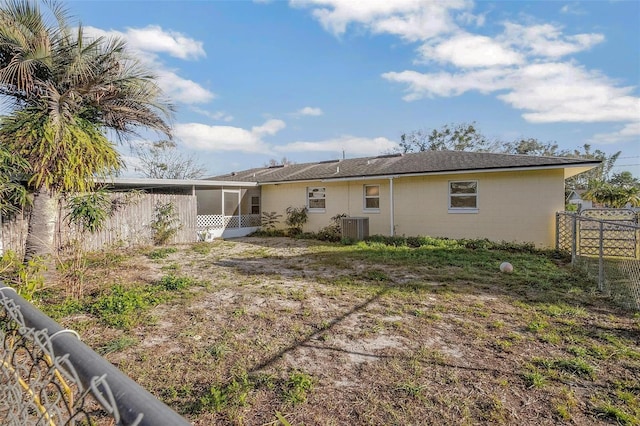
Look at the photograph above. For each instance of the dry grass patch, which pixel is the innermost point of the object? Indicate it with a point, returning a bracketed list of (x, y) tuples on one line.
[(243, 331)]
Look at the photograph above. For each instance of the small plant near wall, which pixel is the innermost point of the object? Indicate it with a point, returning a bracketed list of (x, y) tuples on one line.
[(333, 232), (88, 214), (296, 218), (269, 220), (165, 224)]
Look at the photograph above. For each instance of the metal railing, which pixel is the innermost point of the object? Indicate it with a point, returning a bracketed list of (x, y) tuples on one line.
[(49, 377), (605, 243)]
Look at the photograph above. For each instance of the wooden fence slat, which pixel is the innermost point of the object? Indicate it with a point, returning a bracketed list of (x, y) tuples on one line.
[(128, 226)]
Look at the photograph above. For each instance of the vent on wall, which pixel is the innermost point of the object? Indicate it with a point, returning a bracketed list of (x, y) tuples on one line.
[(355, 228)]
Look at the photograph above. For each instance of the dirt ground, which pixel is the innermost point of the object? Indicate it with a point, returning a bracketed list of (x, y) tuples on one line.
[(381, 341)]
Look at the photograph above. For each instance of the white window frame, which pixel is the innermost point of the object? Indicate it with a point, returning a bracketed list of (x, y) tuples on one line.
[(365, 197), (317, 190), (462, 209), (252, 204)]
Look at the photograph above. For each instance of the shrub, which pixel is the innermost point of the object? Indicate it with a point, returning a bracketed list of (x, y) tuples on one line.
[(165, 224), (333, 232), (296, 218), (269, 220)]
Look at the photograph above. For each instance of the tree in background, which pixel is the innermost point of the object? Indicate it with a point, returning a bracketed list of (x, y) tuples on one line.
[(467, 137), (532, 146), (625, 180), (162, 160), (596, 175), (453, 137), (612, 195), (284, 161), (67, 91)]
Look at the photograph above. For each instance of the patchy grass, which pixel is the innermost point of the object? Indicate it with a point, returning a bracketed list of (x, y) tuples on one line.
[(422, 331)]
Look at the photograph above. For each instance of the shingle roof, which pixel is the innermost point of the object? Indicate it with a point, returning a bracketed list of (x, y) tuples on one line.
[(401, 164)]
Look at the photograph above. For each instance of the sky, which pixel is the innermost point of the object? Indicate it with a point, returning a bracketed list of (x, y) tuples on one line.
[(314, 80)]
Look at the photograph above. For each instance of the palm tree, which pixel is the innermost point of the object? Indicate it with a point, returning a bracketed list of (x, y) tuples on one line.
[(67, 92), (613, 196), (13, 196)]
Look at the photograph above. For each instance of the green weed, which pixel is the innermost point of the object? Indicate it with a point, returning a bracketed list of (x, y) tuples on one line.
[(172, 282), (161, 253), (296, 387), (121, 308)]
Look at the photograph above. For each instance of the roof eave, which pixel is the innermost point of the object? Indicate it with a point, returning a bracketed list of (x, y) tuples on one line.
[(168, 183)]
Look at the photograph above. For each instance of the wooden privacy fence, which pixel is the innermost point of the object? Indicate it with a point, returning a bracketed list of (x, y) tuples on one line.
[(129, 225)]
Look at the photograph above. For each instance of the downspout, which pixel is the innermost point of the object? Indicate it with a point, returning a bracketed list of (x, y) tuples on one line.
[(391, 208)]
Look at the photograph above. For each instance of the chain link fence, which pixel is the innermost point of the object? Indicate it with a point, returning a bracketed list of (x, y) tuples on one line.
[(48, 377), (606, 244)]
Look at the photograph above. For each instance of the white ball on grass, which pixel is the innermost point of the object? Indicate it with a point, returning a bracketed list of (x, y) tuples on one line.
[(506, 267)]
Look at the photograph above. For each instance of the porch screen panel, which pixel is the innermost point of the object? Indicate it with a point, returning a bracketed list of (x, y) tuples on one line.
[(231, 201)]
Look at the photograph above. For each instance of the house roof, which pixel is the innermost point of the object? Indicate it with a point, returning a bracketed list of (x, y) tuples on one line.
[(421, 163)]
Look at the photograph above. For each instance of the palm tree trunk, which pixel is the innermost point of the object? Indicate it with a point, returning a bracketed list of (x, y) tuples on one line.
[(42, 227)]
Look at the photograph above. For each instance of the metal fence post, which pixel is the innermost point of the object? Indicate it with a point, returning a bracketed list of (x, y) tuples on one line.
[(557, 231), (574, 238), (601, 258)]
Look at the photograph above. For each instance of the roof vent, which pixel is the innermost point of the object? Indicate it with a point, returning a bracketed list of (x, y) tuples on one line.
[(328, 161), (233, 173), (278, 166), (398, 154)]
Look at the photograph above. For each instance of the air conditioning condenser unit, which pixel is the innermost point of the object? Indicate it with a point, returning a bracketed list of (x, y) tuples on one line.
[(355, 228)]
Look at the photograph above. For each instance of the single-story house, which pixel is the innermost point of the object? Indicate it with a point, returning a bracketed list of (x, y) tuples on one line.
[(436, 193), (575, 197)]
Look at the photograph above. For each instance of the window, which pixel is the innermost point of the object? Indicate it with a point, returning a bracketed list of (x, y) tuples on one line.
[(463, 196), (316, 199), (255, 205), (372, 197)]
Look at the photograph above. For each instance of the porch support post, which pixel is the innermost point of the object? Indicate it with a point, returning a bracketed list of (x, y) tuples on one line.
[(240, 208), (392, 230)]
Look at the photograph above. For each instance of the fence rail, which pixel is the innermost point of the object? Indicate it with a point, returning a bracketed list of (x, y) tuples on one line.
[(49, 377), (605, 243)]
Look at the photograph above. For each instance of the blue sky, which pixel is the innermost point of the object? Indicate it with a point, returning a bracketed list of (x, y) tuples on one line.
[(312, 79)]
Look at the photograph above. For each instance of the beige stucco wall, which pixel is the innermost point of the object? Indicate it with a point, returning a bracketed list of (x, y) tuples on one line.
[(512, 206)]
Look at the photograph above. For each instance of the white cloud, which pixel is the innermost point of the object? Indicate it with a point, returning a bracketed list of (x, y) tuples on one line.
[(351, 145), (214, 115), (154, 39), (147, 42), (227, 138), (410, 19), (630, 132), (572, 9), (308, 111), (549, 92), (270, 127), (547, 40), (468, 50), (522, 66), (181, 89), (426, 85)]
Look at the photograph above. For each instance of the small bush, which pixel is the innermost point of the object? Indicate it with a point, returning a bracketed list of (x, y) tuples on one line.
[(165, 224), (171, 282), (269, 220), (296, 218), (269, 233)]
